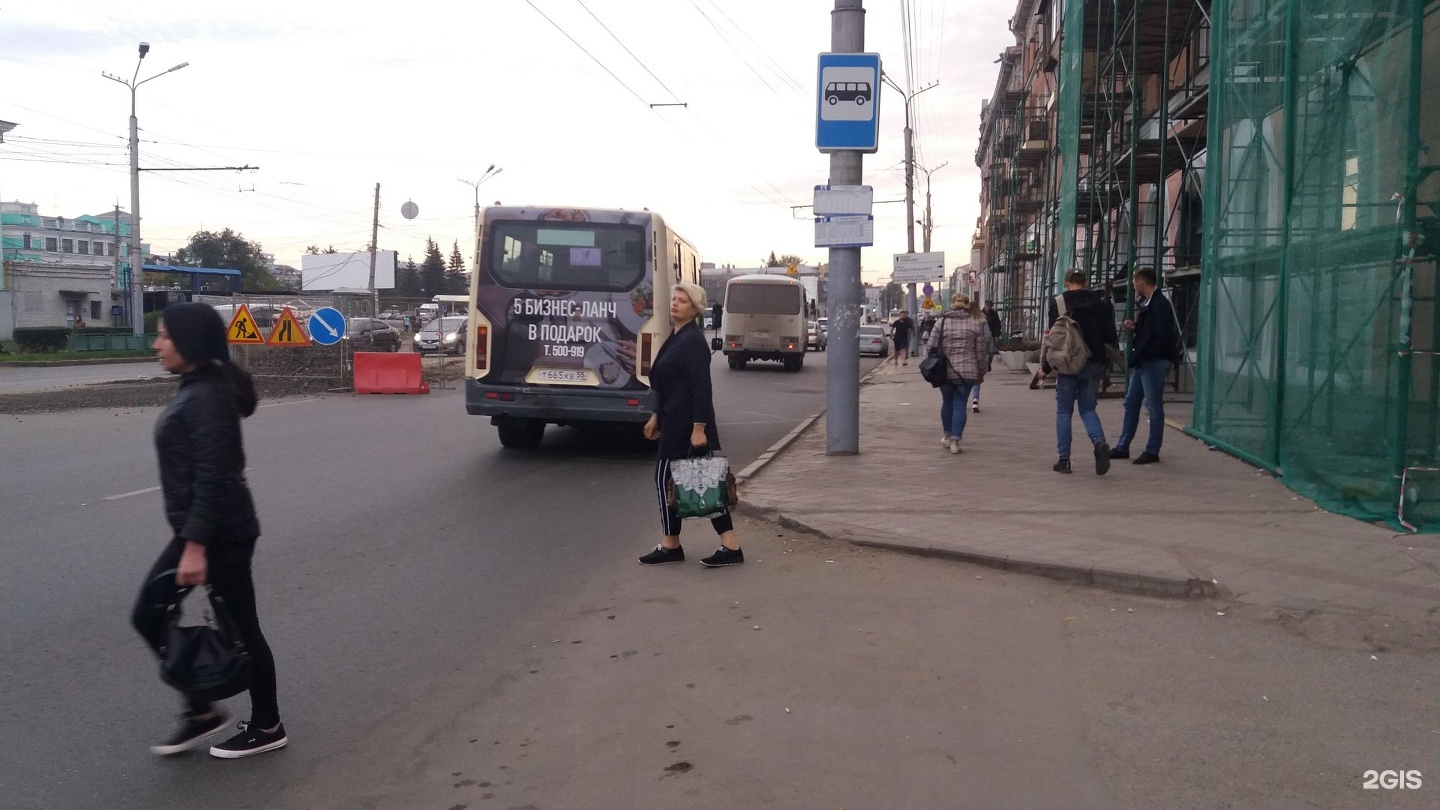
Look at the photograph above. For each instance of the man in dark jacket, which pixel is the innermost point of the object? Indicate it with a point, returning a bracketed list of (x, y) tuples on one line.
[(1155, 346), (901, 331), (992, 319), (1096, 319)]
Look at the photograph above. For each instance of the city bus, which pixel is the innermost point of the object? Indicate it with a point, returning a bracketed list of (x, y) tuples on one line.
[(568, 308), (764, 319)]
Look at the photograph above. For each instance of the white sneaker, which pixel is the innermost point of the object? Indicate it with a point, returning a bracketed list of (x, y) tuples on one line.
[(975, 406), (945, 440), (954, 447)]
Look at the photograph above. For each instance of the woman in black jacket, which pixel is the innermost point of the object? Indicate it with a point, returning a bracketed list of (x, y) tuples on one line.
[(212, 520), (684, 421)]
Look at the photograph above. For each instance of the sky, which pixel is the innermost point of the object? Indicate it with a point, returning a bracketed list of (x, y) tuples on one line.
[(328, 99)]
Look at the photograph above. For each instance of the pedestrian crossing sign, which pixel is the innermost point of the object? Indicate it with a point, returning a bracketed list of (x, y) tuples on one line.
[(287, 331), (929, 303), (242, 328)]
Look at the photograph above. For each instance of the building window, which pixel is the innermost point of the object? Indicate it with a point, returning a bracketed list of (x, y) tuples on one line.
[(83, 248), (94, 310), (67, 245), (99, 248), (51, 245), (26, 241)]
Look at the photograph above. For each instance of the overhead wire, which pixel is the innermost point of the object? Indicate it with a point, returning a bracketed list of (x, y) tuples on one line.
[(764, 54), (627, 49)]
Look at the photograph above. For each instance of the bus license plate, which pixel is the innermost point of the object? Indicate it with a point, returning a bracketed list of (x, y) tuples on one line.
[(569, 376)]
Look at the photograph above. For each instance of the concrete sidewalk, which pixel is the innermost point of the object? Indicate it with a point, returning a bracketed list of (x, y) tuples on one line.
[(1199, 524)]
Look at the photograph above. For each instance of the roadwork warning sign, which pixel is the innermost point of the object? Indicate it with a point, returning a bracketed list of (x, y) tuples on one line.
[(242, 328), (287, 331)]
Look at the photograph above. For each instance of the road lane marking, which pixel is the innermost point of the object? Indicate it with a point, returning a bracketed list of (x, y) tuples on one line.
[(128, 494), (291, 402)]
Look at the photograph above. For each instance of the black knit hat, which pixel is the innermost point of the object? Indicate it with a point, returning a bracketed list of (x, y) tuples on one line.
[(197, 332)]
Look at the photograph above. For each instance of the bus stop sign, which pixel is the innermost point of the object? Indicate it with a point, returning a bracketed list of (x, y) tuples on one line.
[(847, 103)]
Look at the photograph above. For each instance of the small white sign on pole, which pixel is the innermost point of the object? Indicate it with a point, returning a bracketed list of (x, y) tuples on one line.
[(917, 268), (843, 200), (844, 231)]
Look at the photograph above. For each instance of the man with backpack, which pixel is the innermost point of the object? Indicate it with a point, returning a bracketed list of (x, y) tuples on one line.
[(1082, 325), (1156, 345)]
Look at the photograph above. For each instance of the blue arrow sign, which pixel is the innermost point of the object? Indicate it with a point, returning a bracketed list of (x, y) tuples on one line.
[(327, 326), (847, 103)]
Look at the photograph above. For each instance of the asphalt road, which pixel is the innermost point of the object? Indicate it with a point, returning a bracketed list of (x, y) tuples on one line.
[(461, 626)]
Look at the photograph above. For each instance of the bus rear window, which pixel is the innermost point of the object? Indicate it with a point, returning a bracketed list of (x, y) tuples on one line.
[(763, 299), (566, 255)]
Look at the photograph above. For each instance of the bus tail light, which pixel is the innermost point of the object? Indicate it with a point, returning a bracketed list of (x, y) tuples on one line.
[(646, 341), (482, 346), (790, 342)]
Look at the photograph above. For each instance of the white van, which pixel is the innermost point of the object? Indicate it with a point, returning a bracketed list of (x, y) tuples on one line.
[(764, 319)]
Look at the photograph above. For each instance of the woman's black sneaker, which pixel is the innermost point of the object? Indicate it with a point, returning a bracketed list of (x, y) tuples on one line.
[(1062, 466), (191, 731), (250, 741), (723, 557), (664, 555)]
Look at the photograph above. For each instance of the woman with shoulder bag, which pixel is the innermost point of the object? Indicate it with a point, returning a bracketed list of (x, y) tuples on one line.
[(963, 338), (684, 423), (213, 522)]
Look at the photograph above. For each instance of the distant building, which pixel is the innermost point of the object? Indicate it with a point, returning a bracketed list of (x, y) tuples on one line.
[(57, 269), (286, 276)]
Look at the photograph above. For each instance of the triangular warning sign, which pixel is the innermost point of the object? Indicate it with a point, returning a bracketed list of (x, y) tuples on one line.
[(242, 328), (287, 331)]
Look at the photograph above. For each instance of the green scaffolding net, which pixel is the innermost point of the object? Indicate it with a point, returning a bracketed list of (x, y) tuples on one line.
[(1318, 348)]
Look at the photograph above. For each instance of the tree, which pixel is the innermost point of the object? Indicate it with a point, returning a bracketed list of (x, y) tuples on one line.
[(409, 281), (892, 299), (432, 270), (789, 259), (314, 250), (230, 251), (772, 261), (455, 283)]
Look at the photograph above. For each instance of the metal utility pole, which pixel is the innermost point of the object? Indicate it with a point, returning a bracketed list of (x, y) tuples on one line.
[(137, 300), (842, 363), (5, 126), (929, 223), (912, 305), (374, 238)]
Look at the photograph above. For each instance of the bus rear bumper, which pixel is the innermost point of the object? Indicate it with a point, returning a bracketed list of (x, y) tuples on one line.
[(556, 406)]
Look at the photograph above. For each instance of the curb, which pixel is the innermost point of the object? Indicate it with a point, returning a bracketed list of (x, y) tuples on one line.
[(779, 447), (1117, 581), (99, 361)]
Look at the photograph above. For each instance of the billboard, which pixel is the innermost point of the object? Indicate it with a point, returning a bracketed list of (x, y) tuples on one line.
[(330, 271)]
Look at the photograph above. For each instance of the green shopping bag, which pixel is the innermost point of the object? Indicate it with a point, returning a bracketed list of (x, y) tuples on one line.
[(701, 487)]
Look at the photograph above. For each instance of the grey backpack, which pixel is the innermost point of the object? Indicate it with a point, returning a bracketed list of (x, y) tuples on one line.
[(1064, 347)]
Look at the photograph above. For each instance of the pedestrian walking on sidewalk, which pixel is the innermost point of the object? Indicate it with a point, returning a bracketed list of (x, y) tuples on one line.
[(1095, 317), (684, 422), (962, 337), (992, 323), (212, 519), (1155, 347), (900, 333)]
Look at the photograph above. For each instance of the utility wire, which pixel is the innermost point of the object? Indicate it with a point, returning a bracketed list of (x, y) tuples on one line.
[(587, 53), (627, 49), (764, 54)]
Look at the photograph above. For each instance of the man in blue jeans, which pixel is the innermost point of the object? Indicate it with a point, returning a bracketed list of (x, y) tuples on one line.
[(1155, 347), (1096, 319)]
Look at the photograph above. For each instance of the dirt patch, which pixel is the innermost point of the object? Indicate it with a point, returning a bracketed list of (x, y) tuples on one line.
[(141, 394)]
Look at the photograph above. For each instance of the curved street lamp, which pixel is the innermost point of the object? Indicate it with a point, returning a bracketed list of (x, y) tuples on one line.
[(137, 306)]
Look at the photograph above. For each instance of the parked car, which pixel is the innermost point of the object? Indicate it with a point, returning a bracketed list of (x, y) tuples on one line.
[(816, 338), (370, 335), (873, 341), (442, 336), (391, 314)]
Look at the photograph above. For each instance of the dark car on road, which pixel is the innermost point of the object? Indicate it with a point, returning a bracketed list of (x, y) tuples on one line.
[(370, 335), (443, 336)]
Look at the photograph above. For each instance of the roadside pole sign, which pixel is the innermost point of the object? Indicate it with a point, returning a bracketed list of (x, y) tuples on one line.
[(327, 326), (242, 328), (847, 103), (287, 331), (916, 268)]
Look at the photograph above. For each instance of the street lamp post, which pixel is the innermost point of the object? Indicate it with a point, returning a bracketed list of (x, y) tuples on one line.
[(137, 305), (5, 126), (909, 181), (929, 224), (489, 173)]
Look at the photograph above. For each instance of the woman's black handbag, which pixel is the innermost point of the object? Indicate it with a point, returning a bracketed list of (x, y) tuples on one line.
[(935, 368), (209, 661)]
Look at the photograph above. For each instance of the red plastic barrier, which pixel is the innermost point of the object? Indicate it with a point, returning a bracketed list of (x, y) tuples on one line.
[(386, 373)]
